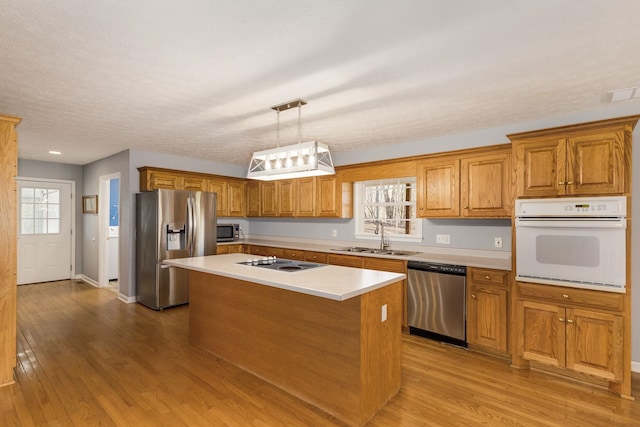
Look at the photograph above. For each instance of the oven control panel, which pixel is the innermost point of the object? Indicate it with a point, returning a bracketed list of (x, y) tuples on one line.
[(572, 207)]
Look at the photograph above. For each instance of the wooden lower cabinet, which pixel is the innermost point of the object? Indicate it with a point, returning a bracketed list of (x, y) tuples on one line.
[(487, 309), (396, 266), (569, 329), (257, 250), (320, 257), (230, 249), (344, 260)]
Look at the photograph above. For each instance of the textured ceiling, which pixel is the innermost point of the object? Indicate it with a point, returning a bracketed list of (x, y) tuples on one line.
[(198, 77)]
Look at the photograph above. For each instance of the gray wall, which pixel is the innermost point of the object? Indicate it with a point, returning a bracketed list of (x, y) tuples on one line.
[(117, 163), (62, 171), (464, 233)]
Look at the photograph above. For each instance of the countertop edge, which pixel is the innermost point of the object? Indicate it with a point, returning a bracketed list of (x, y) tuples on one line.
[(199, 264)]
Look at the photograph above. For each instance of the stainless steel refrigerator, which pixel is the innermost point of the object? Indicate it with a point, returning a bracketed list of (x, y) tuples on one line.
[(171, 224)]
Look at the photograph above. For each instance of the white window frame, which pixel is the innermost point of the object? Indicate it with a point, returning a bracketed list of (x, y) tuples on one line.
[(358, 213)]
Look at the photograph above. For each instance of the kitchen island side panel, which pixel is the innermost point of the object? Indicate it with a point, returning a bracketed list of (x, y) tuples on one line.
[(336, 355)]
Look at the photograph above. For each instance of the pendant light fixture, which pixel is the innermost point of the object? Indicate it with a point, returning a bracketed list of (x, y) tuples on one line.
[(303, 159)]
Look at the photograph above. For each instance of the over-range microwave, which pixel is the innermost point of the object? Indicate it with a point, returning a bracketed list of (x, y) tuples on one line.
[(228, 232), (574, 242)]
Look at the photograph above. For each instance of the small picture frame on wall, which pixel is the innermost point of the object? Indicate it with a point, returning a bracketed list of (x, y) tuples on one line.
[(90, 204)]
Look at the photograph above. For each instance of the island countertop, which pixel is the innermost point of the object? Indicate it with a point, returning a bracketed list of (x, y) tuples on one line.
[(328, 281)]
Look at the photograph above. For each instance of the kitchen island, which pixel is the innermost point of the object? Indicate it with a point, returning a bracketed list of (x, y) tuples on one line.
[(328, 335)]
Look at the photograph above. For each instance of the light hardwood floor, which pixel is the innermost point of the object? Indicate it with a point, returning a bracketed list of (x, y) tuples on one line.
[(85, 358)]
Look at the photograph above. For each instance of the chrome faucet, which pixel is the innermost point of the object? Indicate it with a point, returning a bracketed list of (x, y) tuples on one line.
[(384, 243)]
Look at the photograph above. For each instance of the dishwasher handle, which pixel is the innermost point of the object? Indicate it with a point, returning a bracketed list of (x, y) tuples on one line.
[(456, 270)]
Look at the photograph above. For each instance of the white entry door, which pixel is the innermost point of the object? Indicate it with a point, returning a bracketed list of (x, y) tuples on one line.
[(44, 231)]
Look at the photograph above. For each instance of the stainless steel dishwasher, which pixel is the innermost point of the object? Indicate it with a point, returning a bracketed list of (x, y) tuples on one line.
[(436, 306)]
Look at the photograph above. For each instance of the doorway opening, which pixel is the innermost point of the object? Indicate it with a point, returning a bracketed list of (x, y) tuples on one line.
[(109, 232)]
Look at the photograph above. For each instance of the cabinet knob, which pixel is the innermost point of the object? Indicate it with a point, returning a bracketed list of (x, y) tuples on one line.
[(473, 296), (561, 319), (562, 183), (569, 321), (570, 182), (487, 277), (466, 207), (565, 296), (421, 208)]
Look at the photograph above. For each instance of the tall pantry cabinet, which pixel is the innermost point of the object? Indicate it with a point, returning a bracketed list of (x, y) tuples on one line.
[(8, 244)]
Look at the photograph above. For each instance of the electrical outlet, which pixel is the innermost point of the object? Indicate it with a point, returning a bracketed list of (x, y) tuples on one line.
[(334, 233), (383, 313), (497, 242), (443, 238)]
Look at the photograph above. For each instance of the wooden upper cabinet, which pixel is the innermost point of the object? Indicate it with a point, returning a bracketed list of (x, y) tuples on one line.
[(437, 184), (595, 164), (466, 185), (231, 197), (305, 196), (268, 198), (236, 198), (253, 198), (329, 196), (485, 185), (194, 183), (152, 179), (220, 188), (587, 159), (286, 198)]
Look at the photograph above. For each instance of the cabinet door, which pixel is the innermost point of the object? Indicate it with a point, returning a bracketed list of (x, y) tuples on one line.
[(319, 257), (540, 167), (485, 185), (329, 196), (285, 197), (194, 183), (487, 317), (344, 260), (220, 188), (438, 192), (257, 250), (596, 164), (268, 198), (305, 196), (542, 333), (253, 198), (294, 254), (163, 180), (594, 343), (236, 199), (276, 252)]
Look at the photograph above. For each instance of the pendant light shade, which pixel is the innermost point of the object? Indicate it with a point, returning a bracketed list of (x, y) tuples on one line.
[(303, 159)]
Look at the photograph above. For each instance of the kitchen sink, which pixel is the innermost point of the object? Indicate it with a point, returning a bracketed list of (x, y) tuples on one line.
[(364, 250)]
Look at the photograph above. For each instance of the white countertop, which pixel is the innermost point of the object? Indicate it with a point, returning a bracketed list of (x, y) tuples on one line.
[(328, 281), (498, 260)]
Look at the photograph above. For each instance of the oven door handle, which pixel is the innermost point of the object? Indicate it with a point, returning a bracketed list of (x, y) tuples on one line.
[(619, 223)]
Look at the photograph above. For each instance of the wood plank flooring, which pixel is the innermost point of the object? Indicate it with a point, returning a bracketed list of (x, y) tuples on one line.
[(85, 358)]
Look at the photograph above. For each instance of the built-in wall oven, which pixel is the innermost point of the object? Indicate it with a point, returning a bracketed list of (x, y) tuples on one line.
[(575, 242)]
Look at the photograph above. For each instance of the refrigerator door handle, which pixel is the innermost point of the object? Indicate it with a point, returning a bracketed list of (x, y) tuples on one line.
[(190, 233)]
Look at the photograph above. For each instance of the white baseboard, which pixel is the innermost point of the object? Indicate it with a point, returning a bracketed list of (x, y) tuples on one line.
[(122, 297), (635, 366), (88, 280), (128, 300)]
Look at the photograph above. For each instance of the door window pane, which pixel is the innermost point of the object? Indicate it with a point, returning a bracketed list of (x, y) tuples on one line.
[(39, 211)]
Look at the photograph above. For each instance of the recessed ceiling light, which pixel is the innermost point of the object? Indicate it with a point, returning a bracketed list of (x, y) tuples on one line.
[(54, 152)]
